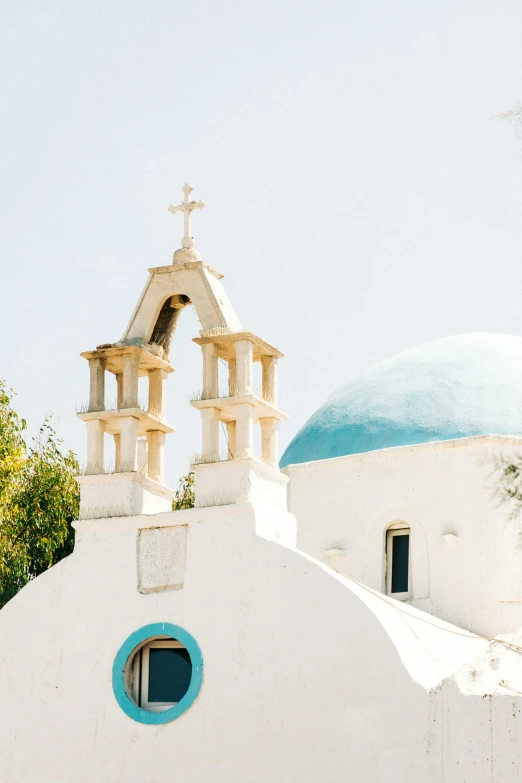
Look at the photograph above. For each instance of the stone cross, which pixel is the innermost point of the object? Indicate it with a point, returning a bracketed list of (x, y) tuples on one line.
[(186, 207)]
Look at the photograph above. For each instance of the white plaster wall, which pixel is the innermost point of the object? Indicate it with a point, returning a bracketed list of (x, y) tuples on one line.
[(240, 481), (482, 721), (301, 680), (307, 676), (119, 494), (466, 554)]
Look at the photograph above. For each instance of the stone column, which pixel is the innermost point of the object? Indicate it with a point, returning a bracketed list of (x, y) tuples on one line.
[(269, 440), (141, 455), (210, 422), (269, 371), (155, 445), (117, 452), (119, 388), (128, 443), (231, 436), (232, 379), (244, 430), (131, 364), (97, 385), (244, 357), (157, 387), (210, 372), (95, 444)]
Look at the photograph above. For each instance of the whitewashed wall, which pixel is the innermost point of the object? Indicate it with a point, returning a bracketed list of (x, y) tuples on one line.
[(307, 677), (466, 554)]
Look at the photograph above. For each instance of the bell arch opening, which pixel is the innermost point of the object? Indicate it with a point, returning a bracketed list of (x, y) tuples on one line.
[(167, 320)]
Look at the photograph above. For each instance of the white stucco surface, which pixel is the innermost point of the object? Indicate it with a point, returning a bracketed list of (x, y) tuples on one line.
[(298, 665), (466, 558), (122, 494)]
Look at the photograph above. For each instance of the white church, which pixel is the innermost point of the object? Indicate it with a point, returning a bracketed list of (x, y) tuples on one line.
[(351, 612)]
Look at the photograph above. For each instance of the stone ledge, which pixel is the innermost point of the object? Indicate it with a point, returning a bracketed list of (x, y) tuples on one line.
[(226, 407), (113, 358), (226, 348), (146, 422), (162, 270)]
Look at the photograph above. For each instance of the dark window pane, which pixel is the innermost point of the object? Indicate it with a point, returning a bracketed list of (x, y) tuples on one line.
[(399, 565), (170, 671)]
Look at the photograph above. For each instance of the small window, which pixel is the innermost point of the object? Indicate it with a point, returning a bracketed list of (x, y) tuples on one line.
[(398, 562), (157, 673), (160, 672)]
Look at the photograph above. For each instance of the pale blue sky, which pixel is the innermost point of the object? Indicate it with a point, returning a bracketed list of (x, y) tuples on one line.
[(362, 194)]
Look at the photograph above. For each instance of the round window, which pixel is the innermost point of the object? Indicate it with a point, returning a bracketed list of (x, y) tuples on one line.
[(157, 673)]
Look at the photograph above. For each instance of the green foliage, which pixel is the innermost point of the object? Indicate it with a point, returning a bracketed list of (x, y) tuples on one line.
[(12, 444), (184, 497), (509, 488), (39, 499)]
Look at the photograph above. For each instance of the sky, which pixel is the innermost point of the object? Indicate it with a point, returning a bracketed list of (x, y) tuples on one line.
[(363, 193)]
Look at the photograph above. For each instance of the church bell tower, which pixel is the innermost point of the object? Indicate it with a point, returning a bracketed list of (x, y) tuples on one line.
[(227, 473)]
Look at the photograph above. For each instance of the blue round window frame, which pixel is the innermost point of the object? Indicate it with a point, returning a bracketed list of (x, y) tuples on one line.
[(144, 634)]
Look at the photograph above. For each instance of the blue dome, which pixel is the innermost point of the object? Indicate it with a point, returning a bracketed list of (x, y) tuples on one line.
[(456, 387)]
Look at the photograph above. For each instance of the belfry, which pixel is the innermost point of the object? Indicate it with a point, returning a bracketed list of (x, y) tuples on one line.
[(135, 483)]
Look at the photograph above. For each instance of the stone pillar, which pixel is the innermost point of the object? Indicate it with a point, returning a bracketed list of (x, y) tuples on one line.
[(157, 386), (131, 364), (232, 379), (119, 388), (117, 452), (155, 444), (210, 422), (210, 372), (269, 371), (231, 436), (97, 385), (269, 440), (128, 443), (244, 430), (141, 455), (244, 357), (95, 444)]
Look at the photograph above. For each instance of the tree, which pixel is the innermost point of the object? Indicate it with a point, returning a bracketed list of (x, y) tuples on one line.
[(184, 497), (39, 498)]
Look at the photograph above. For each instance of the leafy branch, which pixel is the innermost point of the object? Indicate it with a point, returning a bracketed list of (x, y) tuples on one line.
[(39, 499)]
